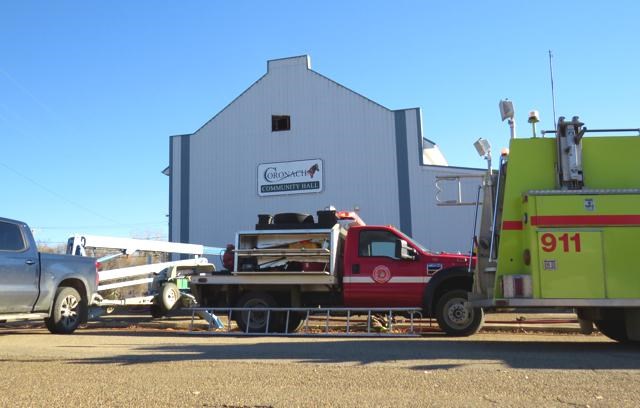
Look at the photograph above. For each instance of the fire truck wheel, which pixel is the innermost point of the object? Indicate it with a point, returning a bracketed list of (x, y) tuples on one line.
[(455, 315), (613, 329), (169, 296), (256, 322)]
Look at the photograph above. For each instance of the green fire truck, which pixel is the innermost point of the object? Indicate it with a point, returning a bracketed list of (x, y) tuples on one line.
[(560, 227)]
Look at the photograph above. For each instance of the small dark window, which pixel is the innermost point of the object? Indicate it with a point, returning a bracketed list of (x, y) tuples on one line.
[(10, 237), (280, 122)]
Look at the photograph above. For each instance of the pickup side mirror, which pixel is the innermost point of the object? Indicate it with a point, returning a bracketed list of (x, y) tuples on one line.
[(404, 251)]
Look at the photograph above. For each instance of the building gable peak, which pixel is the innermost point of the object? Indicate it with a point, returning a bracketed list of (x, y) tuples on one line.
[(302, 61)]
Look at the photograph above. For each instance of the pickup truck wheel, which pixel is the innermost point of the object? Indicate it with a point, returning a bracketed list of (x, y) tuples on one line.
[(455, 315), (256, 322), (169, 296), (613, 329), (67, 311)]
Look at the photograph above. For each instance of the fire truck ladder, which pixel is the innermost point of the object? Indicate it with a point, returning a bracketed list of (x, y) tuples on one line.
[(325, 321)]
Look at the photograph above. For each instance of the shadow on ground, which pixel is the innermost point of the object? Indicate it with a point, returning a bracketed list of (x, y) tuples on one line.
[(430, 353)]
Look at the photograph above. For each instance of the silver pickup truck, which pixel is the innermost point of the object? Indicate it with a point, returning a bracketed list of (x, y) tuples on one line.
[(58, 289)]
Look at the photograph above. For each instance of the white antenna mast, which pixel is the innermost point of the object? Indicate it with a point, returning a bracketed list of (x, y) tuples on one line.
[(553, 94)]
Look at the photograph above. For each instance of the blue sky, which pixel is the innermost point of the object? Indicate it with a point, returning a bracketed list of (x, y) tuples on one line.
[(90, 91)]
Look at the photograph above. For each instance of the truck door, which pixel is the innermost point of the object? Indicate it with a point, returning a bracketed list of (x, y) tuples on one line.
[(18, 270), (374, 276)]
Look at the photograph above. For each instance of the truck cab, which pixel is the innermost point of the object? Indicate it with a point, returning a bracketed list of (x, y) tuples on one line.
[(384, 267), (19, 260)]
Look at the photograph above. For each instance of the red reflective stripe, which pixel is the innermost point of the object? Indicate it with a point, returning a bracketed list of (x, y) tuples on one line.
[(576, 220), (512, 225)]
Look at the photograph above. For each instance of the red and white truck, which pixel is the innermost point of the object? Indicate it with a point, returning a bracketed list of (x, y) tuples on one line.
[(292, 260)]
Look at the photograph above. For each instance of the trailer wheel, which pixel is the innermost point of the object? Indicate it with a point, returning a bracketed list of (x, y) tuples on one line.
[(455, 315), (156, 311), (67, 311), (613, 329), (169, 296), (256, 322)]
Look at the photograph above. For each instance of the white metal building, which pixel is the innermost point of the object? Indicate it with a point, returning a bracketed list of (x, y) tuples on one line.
[(296, 141)]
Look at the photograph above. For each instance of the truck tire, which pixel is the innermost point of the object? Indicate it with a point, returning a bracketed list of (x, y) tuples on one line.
[(613, 329), (292, 218), (258, 322), (66, 312), (295, 322), (169, 296), (156, 311), (456, 317)]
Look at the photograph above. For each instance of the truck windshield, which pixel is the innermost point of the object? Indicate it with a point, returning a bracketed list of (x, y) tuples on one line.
[(413, 242)]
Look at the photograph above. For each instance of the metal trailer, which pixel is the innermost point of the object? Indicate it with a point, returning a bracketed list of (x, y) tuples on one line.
[(165, 280)]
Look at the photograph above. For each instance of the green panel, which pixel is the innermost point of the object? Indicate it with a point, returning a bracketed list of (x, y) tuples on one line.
[(621, 262), (531, 166), (570, 262), (182, 283), (611, 162), (588, 205)]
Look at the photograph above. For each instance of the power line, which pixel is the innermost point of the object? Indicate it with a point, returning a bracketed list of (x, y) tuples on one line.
[(60, 196), (141, 224)]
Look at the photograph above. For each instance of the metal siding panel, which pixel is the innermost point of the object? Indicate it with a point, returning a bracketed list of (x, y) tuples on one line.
[(170, 232), (185, 193), (438, 228), (354, 137), (404, 190), (176, 184)]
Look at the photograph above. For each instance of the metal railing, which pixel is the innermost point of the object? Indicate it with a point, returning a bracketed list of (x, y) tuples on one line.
[(457, 179), (325, 321)]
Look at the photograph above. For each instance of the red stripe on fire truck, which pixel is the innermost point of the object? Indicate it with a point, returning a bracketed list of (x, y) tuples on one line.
[(578, 220)]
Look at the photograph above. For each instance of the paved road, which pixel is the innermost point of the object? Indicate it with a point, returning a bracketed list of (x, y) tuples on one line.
[(101, 367)]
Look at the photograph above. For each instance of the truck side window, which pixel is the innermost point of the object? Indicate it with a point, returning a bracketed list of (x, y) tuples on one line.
[(377, 243), (11, 237)]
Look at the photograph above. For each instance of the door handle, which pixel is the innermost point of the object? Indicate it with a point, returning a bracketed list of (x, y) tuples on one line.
[(355, 268), (30, 262)]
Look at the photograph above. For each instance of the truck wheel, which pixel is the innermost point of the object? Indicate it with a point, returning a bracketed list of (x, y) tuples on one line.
[(613, 329), (169, 296), (258, 322), (455, 315), (67, 311), (295, 322)]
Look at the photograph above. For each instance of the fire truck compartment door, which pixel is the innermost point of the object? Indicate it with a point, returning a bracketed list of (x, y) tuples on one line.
[(571, 264)]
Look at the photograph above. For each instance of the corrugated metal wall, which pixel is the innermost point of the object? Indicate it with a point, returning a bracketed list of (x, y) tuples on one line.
[(358, 140)]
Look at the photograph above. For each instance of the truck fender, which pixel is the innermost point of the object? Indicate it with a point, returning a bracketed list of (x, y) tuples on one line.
[(444, 280)]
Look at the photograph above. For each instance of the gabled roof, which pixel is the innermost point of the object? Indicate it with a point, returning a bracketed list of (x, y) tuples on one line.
[(300, 60)]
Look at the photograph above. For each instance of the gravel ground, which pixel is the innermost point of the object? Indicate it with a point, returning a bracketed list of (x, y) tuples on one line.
[(162, 368)]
